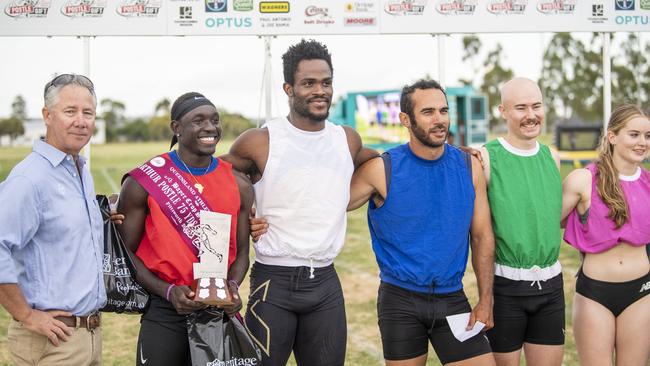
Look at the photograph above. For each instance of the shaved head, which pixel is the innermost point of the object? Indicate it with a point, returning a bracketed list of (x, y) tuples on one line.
[(514, 88), (522, 107)]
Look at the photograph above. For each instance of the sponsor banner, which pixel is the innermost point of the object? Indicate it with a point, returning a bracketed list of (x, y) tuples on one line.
[(405, 7), (242, 5), (186, 16), (359, 21), (274, 16), (633, 20), (83, 17), (83, 8), (507, 7), (625, 5), (361, 6), (644, 4), (271, 7), (27, 9), (139, 8), (457, 7), (314, 17), (552, 7), (318, 16), (216, 6), (598, 13)]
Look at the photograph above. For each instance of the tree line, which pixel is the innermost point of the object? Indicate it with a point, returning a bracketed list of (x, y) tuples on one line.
[(571, 81), (156, 127), (120, 128), (572, 74), (13, 126)]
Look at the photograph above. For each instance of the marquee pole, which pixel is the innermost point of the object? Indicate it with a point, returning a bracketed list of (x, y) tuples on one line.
[(607, 80)]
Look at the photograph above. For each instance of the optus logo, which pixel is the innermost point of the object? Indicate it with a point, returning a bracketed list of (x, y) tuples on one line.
[(229, 22), (632, 20)]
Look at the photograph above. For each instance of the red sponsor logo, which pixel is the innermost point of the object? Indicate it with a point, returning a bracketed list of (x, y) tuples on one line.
[(76, 9), (508, 7), (552, 6), (27, 9), (359, 21), (501, 7), (130, 9), (23, 9)]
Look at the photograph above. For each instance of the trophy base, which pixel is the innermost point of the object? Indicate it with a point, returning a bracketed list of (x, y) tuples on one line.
[(212, 291)]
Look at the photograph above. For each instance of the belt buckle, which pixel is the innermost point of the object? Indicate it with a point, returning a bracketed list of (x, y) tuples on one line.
[(88, 320)]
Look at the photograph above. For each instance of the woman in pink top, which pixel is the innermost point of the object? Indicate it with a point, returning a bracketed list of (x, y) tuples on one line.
[(607, 211)]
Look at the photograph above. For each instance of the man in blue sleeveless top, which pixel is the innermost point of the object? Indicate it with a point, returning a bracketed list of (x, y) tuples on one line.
[(426, 199)]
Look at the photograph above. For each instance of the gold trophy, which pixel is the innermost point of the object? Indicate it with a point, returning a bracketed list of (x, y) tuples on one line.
[(212, 238)]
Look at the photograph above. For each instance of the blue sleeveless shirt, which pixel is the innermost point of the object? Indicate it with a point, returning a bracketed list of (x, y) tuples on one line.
[(420, 235)]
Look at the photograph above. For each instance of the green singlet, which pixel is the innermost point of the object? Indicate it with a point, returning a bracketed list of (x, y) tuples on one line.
[(525, 193)]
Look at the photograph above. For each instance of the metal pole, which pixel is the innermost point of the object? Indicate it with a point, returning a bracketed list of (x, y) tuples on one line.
[(542, 46), (441, 60), (607, 80), (86, 57), (268, 87), (639, 91)]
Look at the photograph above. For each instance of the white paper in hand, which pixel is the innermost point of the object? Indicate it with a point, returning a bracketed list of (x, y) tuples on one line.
[(458, 323)]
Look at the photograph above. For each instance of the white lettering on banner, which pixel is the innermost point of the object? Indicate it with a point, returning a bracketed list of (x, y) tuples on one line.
[(146, 169), (234, 362), (181, 207)]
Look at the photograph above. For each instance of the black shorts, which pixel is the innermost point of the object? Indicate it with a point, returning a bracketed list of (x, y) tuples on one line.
[(163, 336), (615, 296), (289, 311), (409, 320), (536, 319)]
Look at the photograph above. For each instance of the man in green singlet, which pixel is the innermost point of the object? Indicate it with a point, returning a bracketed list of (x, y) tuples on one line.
[(525, 193)]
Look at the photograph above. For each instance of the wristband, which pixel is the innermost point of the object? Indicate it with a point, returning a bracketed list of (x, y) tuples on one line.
[(233, 282), (169, 290)]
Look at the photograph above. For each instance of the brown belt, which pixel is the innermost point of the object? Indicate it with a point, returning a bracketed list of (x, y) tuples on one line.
[(89, 322)]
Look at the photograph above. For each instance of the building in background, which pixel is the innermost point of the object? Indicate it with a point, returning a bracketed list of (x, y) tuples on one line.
[(375, 115)]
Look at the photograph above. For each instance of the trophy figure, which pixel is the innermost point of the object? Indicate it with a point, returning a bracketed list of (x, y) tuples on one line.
[(212, 238)]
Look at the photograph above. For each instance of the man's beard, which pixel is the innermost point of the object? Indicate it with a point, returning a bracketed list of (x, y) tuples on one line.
[(423, 136), (303, 110)]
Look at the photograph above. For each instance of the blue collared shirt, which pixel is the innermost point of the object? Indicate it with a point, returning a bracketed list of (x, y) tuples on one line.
[(51, 236)]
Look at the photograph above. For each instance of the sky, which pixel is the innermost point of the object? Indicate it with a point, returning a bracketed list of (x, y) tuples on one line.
[(140, 71)]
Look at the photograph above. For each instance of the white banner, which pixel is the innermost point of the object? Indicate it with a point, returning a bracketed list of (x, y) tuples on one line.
[(311, 17)]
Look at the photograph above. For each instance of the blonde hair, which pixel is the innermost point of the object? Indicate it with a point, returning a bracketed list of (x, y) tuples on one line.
[(609, 187)]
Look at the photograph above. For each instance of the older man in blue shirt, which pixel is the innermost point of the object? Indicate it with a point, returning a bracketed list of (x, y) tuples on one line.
[(51, 243)]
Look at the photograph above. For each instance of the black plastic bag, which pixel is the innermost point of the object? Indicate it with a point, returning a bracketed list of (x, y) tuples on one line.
[(218, 340), (124, 294)]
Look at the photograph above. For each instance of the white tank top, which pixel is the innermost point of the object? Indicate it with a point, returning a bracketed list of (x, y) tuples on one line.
[(303, 194)]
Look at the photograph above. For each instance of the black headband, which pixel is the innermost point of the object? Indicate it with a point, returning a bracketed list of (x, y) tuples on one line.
[(184, 107), (189, 104)]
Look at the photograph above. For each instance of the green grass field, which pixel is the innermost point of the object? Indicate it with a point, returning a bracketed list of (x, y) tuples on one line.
[(356, 267)]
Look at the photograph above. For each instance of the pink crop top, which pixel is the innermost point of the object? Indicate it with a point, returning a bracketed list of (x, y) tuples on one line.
[(598, 233)]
